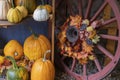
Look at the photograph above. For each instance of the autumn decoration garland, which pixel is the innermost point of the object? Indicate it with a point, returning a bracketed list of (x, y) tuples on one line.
[(77, 38)]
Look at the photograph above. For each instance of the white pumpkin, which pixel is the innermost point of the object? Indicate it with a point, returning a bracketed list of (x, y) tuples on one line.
[(40, 14), (4, 7)]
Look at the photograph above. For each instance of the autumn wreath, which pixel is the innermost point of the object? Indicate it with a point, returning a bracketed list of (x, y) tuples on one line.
[(77, 38)]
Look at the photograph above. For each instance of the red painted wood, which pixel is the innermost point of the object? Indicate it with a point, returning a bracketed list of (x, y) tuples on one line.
[(80, 7), (69, 7), (109, 21), (77, 76), (109, 37), (88, 9), (107, 53), (99, 11), (85, 72), (97, 64), (73, 64)]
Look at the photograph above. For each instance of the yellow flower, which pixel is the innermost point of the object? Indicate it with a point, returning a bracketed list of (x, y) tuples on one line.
[(91, 57), (89, 29), (96, 39), (86, 21)]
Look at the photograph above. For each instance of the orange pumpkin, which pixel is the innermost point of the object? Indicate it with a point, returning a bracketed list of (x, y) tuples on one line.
[(47, 7), (43, 69), (14, 49), (35, 46)]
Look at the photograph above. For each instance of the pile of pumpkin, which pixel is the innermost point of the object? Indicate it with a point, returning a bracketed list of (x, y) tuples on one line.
[(32, 60), (15, 10)]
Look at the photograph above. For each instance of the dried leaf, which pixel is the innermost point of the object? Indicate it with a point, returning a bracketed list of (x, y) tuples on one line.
[(75, 21), (92, 34), (87, 48), (84, 61)]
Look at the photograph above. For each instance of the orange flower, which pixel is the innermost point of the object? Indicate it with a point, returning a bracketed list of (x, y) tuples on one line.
[(87, 48), (75, 21), (82, 55), (62, 37)]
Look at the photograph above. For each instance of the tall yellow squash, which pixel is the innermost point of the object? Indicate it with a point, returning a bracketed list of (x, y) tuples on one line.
[(14, 15), (43, 69)]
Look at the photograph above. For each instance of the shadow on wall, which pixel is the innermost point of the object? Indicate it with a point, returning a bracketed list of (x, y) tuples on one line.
[(21, 31)]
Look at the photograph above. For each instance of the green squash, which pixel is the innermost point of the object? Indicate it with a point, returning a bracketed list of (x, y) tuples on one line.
[(16, 72)]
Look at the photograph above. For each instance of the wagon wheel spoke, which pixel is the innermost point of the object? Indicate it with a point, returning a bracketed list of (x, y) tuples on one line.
[(85, 71), (108, 21), (110, 37), (73, 64), (80, 7), (106, 52), (99, 11), (88, 9), (97, 64), (69, 7)]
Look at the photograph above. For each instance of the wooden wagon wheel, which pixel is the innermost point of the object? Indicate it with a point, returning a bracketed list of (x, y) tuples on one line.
[(101, 69)]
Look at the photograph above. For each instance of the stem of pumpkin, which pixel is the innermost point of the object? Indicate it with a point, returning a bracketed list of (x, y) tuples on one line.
[(35, 34), (13, 6), (45, 54), (13, 62), (21, 2)]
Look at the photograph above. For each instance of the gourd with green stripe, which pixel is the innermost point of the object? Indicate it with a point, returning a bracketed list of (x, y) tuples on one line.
[(14, 15), (29, 4), (16, 72)]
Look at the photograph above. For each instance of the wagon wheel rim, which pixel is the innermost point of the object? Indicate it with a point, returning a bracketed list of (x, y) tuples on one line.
[(102, 72)]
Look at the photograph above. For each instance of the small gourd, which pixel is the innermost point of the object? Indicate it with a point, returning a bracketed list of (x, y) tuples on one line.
[(16, 72), (29, 4), (4, 7), (23, 10), (14, 49), (14, 15), (47, 7), (40, 14), (43, 69)]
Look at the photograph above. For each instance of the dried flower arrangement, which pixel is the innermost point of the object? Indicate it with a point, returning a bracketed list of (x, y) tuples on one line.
[(77, 38)]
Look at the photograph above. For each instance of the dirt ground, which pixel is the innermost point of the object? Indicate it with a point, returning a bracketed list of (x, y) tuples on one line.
[(114, 75)]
